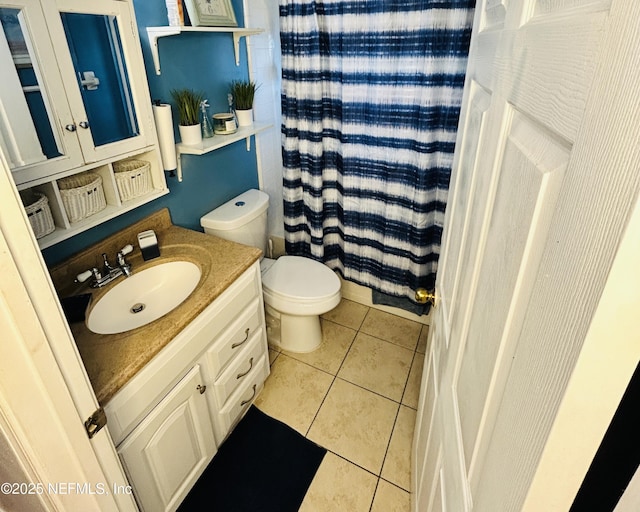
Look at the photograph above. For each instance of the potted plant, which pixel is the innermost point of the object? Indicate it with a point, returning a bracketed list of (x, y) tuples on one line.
[(243, 92), (188, 102)]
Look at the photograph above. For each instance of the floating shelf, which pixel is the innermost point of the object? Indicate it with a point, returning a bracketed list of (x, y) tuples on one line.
[(219, 141), (155, 33)]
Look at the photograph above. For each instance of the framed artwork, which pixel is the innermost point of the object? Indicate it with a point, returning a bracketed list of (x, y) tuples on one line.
[(211, 13)]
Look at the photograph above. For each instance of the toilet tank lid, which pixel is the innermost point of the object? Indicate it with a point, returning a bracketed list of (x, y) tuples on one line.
[(236, 212)]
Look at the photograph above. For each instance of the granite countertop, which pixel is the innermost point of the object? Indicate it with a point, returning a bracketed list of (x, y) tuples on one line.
[(111, 360)]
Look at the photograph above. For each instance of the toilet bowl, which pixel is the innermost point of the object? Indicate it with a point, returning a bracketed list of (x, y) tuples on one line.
[(296, 290)]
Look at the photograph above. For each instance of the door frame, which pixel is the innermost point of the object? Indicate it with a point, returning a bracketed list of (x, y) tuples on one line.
[(45, 392)]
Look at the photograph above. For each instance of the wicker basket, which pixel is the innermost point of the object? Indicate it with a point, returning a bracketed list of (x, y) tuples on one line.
[(37, 207), (133, 178), (82, 195)]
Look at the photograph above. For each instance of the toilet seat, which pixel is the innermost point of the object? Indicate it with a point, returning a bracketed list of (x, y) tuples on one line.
[(300, 286)]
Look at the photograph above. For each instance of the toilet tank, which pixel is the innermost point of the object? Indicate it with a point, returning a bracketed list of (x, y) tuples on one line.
[(243, 219)]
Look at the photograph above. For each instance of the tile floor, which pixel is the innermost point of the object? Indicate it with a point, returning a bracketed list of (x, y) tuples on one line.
[(357, 396)]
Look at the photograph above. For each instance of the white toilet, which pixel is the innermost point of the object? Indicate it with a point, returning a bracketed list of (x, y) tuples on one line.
[(296, 290)]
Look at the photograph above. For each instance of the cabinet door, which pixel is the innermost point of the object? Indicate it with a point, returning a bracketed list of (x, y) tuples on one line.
[(37, 127), (170, 449), (100, 59)]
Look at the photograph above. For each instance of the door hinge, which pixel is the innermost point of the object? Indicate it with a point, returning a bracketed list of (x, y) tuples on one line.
[(425, 297), (95, 422)]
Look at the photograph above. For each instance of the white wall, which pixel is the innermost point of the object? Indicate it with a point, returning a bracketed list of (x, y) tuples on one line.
[(265, 70)]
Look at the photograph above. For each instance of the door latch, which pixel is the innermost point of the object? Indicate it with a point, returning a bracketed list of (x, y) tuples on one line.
[(89, 80)]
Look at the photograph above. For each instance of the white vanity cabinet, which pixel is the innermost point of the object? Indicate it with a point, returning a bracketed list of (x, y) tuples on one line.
[(169, 419)]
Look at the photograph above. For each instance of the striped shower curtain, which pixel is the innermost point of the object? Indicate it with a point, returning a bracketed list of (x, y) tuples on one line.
[(371, 94)]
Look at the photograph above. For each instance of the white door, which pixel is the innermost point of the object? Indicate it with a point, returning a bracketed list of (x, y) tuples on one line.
[(545, 178), (46, 387)]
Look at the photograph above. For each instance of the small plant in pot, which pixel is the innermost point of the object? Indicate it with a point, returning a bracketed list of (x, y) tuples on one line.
[(243, 92), (188, 102)]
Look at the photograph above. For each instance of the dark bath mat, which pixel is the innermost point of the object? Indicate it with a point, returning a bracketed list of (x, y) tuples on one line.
[(263, 466)]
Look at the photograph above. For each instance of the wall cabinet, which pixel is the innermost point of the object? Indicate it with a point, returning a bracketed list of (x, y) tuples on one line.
[(169, 419), (74, 96)]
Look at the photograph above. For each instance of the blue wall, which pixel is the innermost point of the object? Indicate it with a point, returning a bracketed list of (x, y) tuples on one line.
[(199, 61)]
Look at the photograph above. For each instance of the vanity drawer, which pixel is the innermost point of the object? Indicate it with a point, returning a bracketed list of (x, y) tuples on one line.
[(235, 338), (241, 368), (241, 399)]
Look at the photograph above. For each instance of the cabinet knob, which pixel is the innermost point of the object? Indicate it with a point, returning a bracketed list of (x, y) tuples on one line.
[(84, 124), (202, 389), (70, 127)]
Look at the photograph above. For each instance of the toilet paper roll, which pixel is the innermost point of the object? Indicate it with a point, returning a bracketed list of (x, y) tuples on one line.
[(164, 127)]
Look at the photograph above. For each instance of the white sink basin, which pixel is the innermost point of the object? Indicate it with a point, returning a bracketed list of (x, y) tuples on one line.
[(143, 297)]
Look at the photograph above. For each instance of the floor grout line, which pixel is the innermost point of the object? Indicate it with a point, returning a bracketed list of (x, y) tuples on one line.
[(330, 386), (334, 376)]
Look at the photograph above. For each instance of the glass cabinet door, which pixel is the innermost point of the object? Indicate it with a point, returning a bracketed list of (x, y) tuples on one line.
[(36, 125), (103, 75)]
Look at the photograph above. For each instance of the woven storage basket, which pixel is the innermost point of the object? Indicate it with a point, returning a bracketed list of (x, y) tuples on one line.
[(37, 207), (82, 195), (133, 178)]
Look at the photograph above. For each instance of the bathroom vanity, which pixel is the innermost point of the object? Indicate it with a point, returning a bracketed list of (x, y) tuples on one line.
[(168, 420), (172, 390)]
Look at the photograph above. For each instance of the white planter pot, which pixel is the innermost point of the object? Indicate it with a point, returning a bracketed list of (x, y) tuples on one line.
[(190, 135), (245, 117)]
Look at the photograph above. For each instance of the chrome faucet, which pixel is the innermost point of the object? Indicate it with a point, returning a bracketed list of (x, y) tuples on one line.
[(108, 273), (106, 268)]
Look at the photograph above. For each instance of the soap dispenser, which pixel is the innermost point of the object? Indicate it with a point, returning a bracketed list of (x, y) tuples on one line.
[(207, 127)]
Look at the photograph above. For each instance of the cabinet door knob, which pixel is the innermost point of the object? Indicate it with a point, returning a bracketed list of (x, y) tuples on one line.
[(70, 127), (202, 389), (84, 124)]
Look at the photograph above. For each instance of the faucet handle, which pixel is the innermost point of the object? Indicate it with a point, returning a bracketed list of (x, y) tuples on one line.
[(121, 254), (122, 263), (83, 276), (127, 249)]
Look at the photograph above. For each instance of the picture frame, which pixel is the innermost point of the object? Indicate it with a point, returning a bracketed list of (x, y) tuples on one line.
[(211, 13)]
